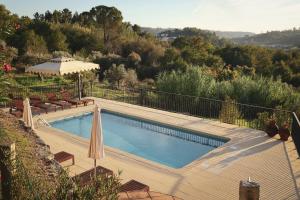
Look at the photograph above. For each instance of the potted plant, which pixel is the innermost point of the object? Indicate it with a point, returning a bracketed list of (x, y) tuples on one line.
[(284, 132), (272, 128)]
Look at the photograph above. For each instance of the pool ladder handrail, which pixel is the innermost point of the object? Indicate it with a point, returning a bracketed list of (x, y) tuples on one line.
[(43, 121)]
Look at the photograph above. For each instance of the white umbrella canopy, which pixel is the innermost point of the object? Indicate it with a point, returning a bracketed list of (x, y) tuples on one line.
[(27, 115), (62, 66), (96, 149)]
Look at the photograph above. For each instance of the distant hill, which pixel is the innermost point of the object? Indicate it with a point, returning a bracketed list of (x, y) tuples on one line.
[(221, 34), (155, 31), (172, 34), (276, 39), (233, 34)]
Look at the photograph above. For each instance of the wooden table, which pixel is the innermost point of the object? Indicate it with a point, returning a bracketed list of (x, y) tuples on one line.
[(134, 185), (64, 156)]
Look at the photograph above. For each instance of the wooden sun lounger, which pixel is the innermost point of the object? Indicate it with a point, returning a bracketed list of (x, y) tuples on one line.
[(54, 100), (17, 113), (48, 107), (17, 105), (67, 97), (86, 177), (87, 101)]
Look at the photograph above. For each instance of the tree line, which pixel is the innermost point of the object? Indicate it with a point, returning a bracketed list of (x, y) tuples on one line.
[(100, 35)]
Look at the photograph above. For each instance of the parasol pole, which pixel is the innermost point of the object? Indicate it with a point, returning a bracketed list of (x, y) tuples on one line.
[(95, 168), (79, 86)]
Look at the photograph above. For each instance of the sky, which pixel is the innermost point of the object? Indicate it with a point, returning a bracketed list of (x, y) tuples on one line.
[(226, 15)]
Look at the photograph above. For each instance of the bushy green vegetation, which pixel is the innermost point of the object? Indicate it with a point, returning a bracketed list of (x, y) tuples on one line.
[(246, 89), (30, 180), (286, 39), (211, 67)]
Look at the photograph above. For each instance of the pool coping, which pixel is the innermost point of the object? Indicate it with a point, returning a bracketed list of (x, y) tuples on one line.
[(137, 158)]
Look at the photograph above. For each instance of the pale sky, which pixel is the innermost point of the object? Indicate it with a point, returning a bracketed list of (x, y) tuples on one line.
[(226, 15)]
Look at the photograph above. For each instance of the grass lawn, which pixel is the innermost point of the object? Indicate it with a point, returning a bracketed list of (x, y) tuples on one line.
[(35, 80)]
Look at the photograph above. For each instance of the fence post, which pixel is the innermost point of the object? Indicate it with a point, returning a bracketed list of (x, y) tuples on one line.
[(7, 168), (142, 96)]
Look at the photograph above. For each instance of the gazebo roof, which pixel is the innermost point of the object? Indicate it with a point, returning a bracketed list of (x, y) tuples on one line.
[(61, 66)]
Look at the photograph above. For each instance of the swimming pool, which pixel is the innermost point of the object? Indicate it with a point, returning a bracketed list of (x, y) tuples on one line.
[(153, 141)]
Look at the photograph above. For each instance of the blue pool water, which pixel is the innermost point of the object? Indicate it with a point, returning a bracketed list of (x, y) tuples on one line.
[(163, 144)]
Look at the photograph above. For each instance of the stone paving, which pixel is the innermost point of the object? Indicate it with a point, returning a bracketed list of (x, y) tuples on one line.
[(270, 162)]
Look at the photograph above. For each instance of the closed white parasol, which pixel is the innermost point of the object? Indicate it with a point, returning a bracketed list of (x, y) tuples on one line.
[(96, 150), (27, 115)]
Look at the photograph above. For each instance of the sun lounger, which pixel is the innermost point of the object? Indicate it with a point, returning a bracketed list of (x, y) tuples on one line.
[(54, 100), (48, 107), (64, 156), (16, 113), (67, 97), (17, 105), (87, 101), (86, 177)]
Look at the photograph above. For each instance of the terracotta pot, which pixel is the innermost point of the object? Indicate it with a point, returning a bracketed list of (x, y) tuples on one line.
[(284, 133), (272, 128)]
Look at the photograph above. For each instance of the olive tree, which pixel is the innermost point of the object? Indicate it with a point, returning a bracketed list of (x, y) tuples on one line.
[(115, 74)]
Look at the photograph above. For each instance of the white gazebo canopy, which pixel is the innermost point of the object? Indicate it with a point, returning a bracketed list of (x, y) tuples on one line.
[(62, 66)]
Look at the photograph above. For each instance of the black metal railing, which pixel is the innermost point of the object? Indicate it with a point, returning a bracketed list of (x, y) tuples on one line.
[(296, 132), (43, 90), (229, 112)]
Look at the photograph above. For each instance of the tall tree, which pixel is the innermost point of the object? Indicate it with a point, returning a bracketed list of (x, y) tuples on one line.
[(109, 19), (33, 43), (57, 41), (66, 16)]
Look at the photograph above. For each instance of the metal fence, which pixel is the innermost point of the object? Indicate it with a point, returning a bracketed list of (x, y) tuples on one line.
[(43, 90), (224, 111), (296, 132), (229, 112)]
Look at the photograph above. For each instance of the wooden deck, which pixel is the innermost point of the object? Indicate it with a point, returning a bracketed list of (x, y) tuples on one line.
[(270, 162)]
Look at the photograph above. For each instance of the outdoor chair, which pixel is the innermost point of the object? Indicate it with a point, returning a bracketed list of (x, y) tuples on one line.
[(47, 106), (52, 98)]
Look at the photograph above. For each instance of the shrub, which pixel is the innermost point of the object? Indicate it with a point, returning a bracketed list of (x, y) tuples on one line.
[(130, 79), (260, 91), (229, 112), (115, 74)]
